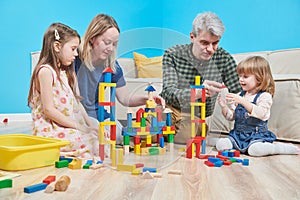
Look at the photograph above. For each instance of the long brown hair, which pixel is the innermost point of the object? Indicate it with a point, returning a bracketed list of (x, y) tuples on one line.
[(98, 26), (63, 34), (261, 69)]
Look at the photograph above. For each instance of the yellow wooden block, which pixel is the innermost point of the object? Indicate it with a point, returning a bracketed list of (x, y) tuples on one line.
[(107, 123), (136, 172), (203, 112), (182, 149), (101, 134), (127, 168), (108, 84), (101, 96), (193, 133), (197, 104), (136, 124), (113, 157), (120, 156), (203, 125), (197, 80), (75, 164), (143, 133), (137, 149), (168, 132), (145, 114), (150, 104), (148, 139)]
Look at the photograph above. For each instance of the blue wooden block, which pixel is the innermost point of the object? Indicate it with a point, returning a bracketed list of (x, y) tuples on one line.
[(213, 159), (219, 163), (231, 154), (99, 162), (162, 142), (225, 153), (245, 162), (35, 188), (149, 169), (169, 120)]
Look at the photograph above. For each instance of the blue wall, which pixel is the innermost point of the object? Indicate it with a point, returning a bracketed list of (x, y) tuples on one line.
[(147, 26)]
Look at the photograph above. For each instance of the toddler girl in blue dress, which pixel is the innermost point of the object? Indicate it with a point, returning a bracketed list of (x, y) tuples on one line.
[(251, 110)]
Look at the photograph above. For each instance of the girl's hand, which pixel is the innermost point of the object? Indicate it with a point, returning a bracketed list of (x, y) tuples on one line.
[(83, 128), (221, 101), (232, 98)]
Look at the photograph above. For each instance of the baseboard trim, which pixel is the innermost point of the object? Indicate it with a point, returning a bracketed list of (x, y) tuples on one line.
[(16, 117)]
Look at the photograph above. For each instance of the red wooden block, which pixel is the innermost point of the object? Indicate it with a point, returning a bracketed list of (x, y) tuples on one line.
[(224, 158), (138, 165), (208, 163), (237, 153), (49, 179), (201, 156), (227, 162)]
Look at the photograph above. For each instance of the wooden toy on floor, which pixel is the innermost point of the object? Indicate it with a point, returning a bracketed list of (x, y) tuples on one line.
[(62, 183)]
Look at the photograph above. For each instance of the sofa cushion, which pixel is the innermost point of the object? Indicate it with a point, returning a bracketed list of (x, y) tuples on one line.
[(285, 61), (284, 120), (127, 64), (148, 67)]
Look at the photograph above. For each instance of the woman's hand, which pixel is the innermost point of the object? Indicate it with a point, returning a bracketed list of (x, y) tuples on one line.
[(159, 100)]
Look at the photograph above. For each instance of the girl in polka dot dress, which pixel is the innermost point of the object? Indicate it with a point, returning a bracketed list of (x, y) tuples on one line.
[(54, 96)]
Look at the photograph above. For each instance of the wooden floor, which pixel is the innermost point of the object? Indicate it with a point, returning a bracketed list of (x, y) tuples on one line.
[(272, 177)]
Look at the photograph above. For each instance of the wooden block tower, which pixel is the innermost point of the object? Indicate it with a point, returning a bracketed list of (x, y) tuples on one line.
[(140, 128), (196, 140), (111, 103)]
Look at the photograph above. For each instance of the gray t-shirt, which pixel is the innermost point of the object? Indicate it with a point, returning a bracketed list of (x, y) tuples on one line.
[(88, 82)]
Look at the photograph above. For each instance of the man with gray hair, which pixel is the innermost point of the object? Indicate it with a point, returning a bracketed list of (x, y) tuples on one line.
[(202, 57)]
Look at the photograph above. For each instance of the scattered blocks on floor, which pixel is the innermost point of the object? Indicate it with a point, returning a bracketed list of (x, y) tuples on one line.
[(226, 157)]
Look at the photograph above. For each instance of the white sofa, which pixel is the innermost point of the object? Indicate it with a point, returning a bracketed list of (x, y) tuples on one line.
[(285, 113)]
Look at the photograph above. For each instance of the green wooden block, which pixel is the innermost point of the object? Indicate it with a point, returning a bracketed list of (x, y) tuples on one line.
[(143, 122), (86, 166), (126, 140), (170, 138), (61, 164), (153, 151), (7, 183)]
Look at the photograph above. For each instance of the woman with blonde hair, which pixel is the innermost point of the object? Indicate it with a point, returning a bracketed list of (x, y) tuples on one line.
[(97, 51)]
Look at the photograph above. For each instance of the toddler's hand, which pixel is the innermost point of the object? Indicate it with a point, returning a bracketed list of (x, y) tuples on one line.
[(232, 98), (221, 101)]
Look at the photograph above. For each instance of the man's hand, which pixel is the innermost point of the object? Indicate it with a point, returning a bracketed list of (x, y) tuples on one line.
[(212, 87)]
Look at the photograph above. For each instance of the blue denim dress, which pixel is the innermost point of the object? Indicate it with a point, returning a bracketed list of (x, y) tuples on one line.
[(247, 129)]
